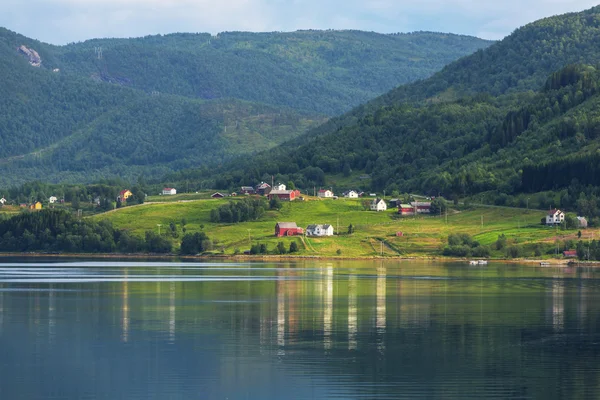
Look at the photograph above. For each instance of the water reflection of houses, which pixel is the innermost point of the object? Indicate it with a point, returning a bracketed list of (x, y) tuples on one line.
[(352, 313), (172, 324), (557, 293), (125, 309), (381, 306), (328, 307)]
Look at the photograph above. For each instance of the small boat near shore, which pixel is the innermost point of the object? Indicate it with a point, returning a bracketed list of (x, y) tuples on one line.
[(478, 262), (544, 263)]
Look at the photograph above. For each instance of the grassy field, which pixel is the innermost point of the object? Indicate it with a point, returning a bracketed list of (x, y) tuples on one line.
[(375, 232)]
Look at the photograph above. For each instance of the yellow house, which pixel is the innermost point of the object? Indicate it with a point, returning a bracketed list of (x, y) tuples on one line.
[(124, 195), (36, 206)]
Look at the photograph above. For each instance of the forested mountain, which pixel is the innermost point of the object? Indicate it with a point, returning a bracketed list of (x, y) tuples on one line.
[(122, 107), (323, 72), (489, 122)]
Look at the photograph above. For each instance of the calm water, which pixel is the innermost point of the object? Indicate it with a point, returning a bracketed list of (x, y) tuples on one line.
[(311, 330)]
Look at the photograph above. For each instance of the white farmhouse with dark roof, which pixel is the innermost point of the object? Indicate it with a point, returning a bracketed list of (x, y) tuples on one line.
[(378, 205), (319, 230), (555, 217)]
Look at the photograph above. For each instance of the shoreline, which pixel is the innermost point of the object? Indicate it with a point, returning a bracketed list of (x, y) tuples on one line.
[(274, 257)]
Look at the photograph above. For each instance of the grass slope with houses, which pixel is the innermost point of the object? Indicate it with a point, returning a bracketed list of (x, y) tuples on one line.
[(383, 233)]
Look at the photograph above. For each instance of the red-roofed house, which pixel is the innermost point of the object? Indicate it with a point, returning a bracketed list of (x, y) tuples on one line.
[(124, 195)]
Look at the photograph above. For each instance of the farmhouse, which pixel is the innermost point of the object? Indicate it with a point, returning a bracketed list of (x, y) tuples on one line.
[(169, 191), (378, 205), (325, 193), (279, 186), (555, 217), (284, 195), (319, 230), (352, 194), (287, 229), (52, 199), (2, 201), (263, 189), (247, 190), (217, 195), (35, 206), (124, 195)]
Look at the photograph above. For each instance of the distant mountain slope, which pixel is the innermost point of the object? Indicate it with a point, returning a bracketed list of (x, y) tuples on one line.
[(477, 125), (56, 126), (520, 62), (324, 72), (162, 103)]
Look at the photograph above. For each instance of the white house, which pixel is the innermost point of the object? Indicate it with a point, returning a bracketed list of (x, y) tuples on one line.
[(169, 191), (2, 201), (555, 217), (279, 186), (319, 230), (378, 205), (325, 193), (351, 194), (52, 199)]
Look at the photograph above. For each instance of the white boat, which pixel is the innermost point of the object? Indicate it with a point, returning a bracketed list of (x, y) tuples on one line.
[(544, 263), (473, 262), (482, 262)]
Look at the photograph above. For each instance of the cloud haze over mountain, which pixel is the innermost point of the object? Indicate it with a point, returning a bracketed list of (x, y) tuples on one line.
[(63, 21)]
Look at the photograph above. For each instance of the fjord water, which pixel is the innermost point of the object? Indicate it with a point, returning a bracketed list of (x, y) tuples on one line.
[(306, 330)]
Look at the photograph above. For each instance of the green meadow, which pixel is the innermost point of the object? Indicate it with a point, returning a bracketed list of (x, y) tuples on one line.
[(376, 233)]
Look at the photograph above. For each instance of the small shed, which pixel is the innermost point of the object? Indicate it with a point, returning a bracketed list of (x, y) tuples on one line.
[(570, 253)]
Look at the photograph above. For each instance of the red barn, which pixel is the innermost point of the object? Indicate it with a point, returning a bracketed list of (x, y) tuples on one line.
[(406, 209), (284, 195), (287, 229)]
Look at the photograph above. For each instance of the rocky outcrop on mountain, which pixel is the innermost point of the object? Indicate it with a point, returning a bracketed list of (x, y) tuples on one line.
[(34, 58)]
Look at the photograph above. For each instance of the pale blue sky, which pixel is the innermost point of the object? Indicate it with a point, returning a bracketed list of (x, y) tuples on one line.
[(64, 21)]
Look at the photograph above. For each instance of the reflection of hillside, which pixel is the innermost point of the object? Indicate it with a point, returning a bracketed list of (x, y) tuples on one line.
[(371, 323)]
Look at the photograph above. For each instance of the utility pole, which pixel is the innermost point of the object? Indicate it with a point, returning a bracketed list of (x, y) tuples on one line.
[(158, 228), (338, 224), (249, 239), (482, 221)]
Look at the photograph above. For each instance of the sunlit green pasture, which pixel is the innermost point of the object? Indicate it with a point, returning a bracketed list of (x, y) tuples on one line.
[(421, 235)]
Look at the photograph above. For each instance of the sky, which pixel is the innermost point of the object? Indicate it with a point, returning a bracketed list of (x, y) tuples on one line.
[(67, 21)]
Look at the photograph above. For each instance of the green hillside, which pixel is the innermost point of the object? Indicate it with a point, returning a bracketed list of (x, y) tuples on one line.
[(153, 105), (323, 72), (469, 137)]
